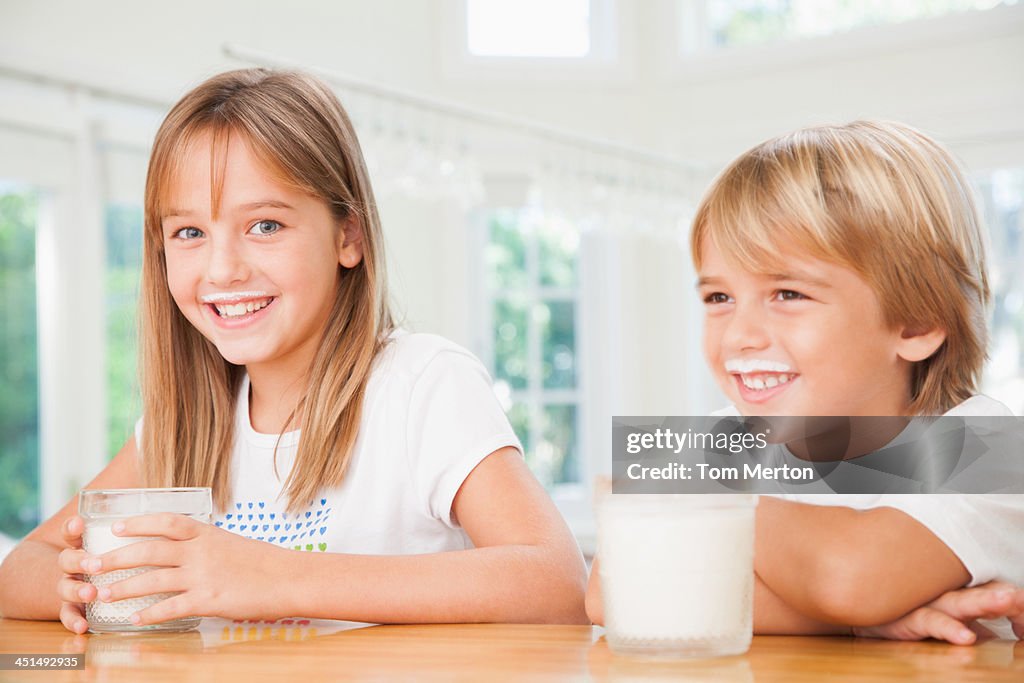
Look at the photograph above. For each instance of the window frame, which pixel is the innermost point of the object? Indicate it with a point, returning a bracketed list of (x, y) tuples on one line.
[(605, 61), (573, 499)]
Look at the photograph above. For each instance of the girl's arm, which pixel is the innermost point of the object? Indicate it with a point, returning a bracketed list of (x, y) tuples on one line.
[(844, 566), (526, 566), (30, 576)]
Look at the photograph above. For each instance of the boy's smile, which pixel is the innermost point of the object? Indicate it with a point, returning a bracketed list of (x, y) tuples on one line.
[(805, 339)]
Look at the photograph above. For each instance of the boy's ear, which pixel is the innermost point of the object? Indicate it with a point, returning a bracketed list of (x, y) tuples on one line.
[(350, 242), (916, 344)]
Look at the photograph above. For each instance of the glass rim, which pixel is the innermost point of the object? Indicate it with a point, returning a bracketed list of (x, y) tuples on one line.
[(136, 491), (682, 500)]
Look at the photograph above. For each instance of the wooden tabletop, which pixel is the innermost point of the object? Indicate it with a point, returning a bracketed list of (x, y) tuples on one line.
[(309, 652)]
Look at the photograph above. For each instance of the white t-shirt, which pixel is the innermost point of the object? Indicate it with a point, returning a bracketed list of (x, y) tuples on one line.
[(429, 417), (986, 532)]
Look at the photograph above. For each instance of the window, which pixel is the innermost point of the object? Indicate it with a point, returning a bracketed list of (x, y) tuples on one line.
[(531, 320), (1002, 203), (528, 28), (124, 265), (19, 400), (730, 23)]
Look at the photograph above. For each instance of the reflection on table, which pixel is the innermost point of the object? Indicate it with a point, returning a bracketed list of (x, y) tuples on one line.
[(315, 650)]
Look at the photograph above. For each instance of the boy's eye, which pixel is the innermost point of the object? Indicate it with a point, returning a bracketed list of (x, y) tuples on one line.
[(188, 234), (789, 295), (716, 298), (265, 227)]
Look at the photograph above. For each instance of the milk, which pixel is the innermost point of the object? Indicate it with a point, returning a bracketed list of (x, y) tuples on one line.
[(101, 510), (98, 539), (677, 573)]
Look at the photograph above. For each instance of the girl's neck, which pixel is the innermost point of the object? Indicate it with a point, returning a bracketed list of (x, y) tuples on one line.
[(274, 393)]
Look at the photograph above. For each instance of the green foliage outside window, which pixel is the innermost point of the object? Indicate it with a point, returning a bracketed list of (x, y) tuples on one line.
[(746, 22), (124, 262), (19, 385), (531, 274)]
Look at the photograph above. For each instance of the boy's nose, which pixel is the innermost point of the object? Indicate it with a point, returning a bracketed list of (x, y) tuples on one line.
[(227, 264), (747, 329)]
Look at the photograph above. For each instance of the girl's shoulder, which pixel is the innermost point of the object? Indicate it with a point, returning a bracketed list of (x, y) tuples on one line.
[(410, 354)]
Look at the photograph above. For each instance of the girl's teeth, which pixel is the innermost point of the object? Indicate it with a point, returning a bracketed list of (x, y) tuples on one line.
[(240, 309), (761, 382)]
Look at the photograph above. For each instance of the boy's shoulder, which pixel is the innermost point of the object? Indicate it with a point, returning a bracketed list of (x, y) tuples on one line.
[(980, 405)]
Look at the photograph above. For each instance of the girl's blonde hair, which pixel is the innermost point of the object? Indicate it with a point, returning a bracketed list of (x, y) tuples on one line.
[(298, 129), (885, 200)]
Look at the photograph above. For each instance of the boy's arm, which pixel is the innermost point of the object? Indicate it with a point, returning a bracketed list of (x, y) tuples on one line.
[(853, 567), (772, 616)]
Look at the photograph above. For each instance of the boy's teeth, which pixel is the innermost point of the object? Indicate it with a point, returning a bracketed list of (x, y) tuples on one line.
[(760, 382), (240, 309)]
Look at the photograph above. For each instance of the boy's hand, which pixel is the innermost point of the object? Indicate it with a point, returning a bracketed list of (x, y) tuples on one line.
[(73, 591), (214, 572), (952, 616)]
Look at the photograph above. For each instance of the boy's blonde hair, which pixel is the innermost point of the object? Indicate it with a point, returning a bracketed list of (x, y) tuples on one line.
[(885, 200), (298, 129)]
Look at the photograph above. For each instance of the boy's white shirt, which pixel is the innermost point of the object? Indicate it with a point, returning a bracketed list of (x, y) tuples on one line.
[(430, 416), (986, 532)]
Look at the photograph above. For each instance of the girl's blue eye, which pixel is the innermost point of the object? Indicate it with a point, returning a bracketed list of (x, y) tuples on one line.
[(716, 298), (265, 227), (789, 295), (188, 234)]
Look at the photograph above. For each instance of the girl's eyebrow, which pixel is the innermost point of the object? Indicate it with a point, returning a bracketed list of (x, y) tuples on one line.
[(250, 206)]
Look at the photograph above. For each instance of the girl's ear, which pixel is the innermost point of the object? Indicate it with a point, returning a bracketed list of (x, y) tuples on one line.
[(916, 344), (350, 242)]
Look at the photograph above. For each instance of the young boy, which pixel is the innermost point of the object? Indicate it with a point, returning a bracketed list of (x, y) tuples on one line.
[(842, 272)]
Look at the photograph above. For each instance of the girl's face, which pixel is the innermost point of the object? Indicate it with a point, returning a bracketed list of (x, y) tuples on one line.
[(807, 341), (259, 280)]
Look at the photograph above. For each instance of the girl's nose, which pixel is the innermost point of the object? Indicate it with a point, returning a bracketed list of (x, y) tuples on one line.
[(747, 328), (227, 264)]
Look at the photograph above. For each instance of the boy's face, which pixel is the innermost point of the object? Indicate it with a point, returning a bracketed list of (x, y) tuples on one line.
[(807, 341)]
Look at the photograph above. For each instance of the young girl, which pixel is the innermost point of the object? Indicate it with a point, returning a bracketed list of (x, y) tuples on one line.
[(264, 316), (842, 272)]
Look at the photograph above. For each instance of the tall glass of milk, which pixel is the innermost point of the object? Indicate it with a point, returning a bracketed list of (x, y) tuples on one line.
[(677, 573), (101, 509)]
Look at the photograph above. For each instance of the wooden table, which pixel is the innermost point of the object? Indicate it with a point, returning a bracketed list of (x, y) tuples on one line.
[(311, 652)]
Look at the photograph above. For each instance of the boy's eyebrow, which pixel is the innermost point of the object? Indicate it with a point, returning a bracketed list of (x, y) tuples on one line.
[(259, 204), (708, 280), (795, 276), (798, 276)]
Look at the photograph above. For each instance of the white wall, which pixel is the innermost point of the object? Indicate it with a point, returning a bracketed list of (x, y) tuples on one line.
[(957, 77)]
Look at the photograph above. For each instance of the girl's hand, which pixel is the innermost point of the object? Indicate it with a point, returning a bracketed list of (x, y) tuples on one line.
[(73, 591), (215, 572), (952, 616)]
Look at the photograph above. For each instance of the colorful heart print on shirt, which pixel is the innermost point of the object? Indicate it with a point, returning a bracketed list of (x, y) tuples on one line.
[(263, 521)]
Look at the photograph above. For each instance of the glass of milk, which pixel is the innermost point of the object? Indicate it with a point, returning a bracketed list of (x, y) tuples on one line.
[(677, 573), (101, 509)]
